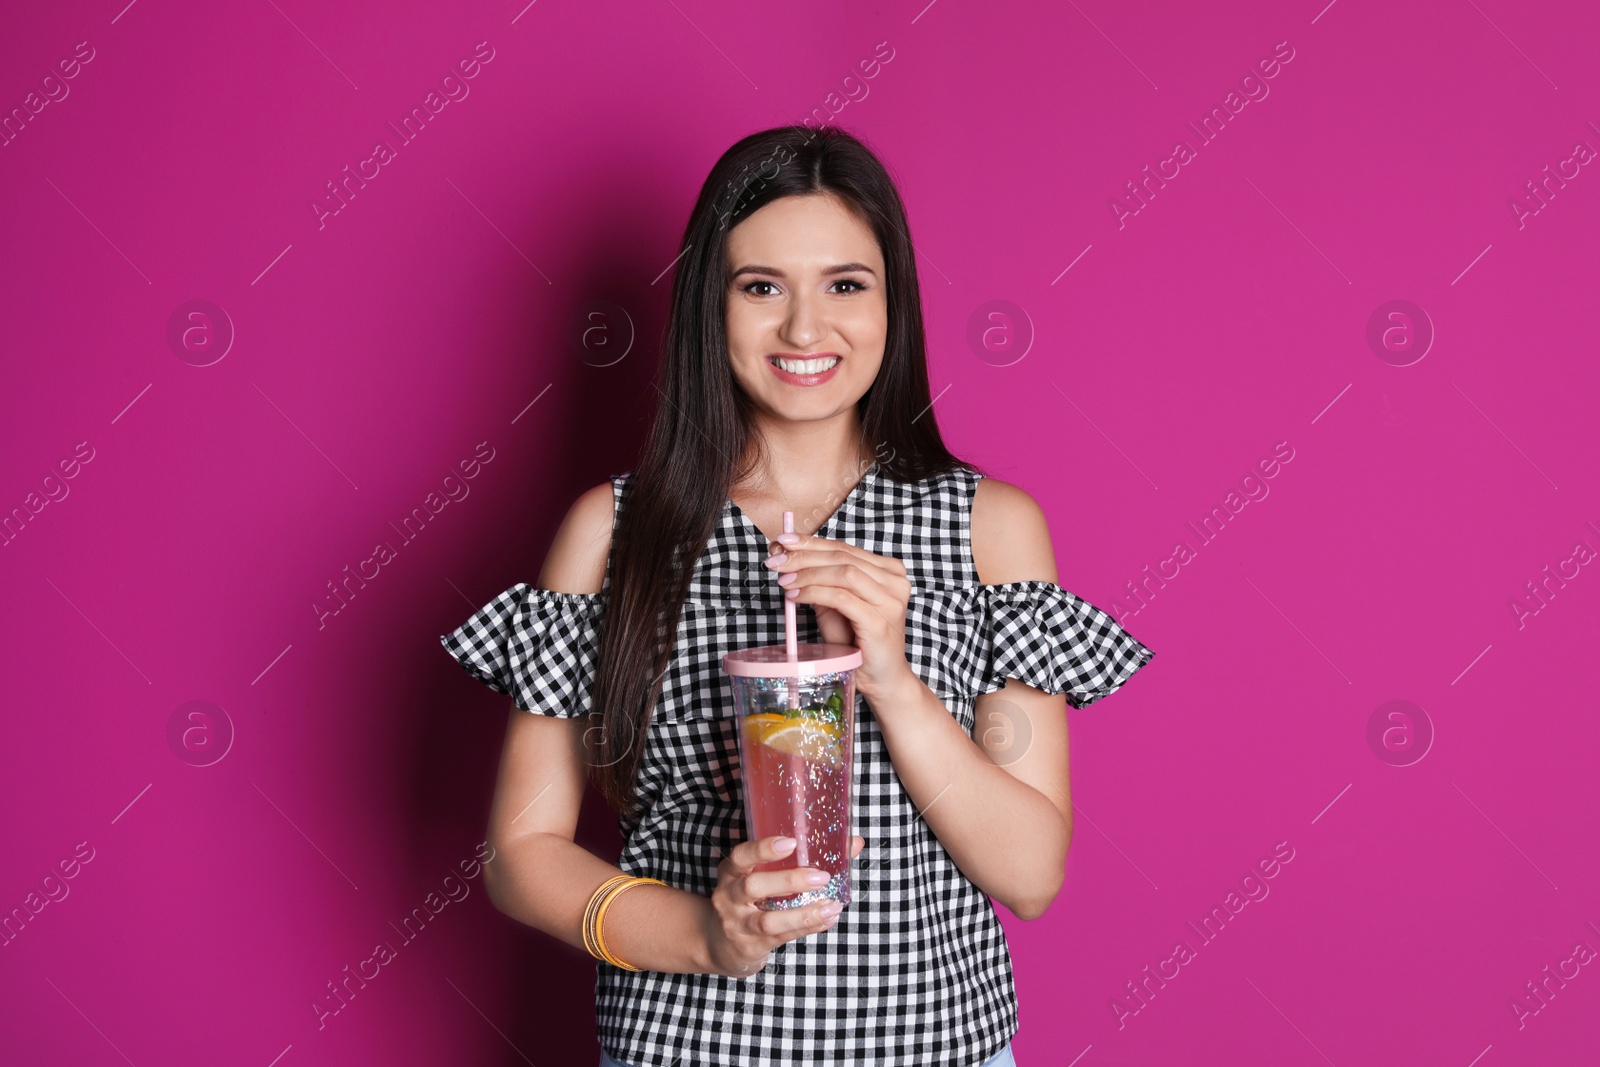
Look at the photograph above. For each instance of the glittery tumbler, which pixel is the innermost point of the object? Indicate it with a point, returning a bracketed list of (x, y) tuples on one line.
[(796, 721)]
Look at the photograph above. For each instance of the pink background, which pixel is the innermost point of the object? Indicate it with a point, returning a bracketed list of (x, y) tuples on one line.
[(371, 355)]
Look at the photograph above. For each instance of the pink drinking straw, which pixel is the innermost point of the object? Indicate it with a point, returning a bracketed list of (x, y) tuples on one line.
[(797, 785), (788, 624)]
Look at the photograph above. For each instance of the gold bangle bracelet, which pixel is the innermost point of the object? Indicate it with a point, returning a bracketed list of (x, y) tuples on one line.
[(589, 912), (600, 914), (601, 952), (605, 906)]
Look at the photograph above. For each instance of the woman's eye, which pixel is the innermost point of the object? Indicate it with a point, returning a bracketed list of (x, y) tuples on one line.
[(751, 286)]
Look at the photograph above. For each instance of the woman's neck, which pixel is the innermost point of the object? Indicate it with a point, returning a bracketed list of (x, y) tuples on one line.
[(805, 463)]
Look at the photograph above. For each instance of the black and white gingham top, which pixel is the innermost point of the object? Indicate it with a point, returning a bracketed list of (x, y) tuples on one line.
[(916, 971)]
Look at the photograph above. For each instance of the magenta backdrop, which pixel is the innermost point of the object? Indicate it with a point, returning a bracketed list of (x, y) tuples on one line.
[(1369, 271)]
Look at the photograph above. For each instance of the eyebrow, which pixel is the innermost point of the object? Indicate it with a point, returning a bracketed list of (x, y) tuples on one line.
[(840, 268)]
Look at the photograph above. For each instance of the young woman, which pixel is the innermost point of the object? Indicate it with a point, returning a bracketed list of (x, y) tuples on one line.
[(794, 379)]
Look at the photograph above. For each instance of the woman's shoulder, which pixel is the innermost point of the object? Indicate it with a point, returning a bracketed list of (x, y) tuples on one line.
[(576, 562), (1010, 536)]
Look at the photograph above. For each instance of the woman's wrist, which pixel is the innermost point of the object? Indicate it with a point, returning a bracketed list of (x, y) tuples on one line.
[(903, 690), (658, 928)]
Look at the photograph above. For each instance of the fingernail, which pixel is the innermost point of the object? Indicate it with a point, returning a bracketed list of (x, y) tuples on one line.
[(828, 911), (773, 561), (786, 579), (789, 538), (784, 844), (817, 878), (791, 593)]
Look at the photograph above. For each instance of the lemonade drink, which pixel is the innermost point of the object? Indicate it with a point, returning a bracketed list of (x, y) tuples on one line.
[(795, 748)]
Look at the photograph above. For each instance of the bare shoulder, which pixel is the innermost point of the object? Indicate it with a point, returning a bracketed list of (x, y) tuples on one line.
[(577, 559), (1010, 536)]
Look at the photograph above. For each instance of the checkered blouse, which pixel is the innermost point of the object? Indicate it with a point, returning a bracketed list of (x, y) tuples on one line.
[(916, 971)]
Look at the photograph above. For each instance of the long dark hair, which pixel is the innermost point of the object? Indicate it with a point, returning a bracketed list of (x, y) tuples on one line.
[(701, 432)]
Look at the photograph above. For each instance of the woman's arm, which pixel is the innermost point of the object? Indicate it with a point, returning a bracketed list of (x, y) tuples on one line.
[(539, 875), (998, 801)]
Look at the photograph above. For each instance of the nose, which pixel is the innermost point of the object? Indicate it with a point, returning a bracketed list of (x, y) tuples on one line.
[(806, 323)]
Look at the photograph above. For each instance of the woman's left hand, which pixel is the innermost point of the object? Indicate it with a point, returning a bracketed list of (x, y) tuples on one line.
[(860, 599)]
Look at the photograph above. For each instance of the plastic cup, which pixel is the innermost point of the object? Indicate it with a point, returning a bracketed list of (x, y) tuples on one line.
[(796, 721)]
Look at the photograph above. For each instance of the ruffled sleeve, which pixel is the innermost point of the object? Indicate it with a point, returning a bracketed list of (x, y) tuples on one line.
[(538, 647), (1038, 633)]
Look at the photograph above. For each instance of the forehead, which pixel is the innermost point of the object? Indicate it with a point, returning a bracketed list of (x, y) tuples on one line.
[(804, 232)]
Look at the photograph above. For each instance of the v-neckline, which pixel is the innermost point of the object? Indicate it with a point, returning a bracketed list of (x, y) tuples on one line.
[(850, 497)]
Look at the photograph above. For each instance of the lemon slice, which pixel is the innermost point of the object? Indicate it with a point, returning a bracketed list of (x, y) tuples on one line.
[(810, 740), (765, 718), (835, 730), (759, 725)]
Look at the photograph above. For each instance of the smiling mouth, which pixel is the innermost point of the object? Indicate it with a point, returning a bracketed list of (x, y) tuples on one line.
[(804, 367)]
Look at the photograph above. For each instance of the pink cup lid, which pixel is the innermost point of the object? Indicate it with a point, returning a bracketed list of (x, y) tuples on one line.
[(772, 661)]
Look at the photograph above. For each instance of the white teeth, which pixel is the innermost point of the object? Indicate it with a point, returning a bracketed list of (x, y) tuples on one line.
[(807, 366)]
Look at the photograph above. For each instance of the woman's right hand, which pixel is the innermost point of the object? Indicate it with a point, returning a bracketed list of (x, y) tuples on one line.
[(739, 933)]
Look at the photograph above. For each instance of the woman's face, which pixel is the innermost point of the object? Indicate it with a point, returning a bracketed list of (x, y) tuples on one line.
[(805, 281)]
